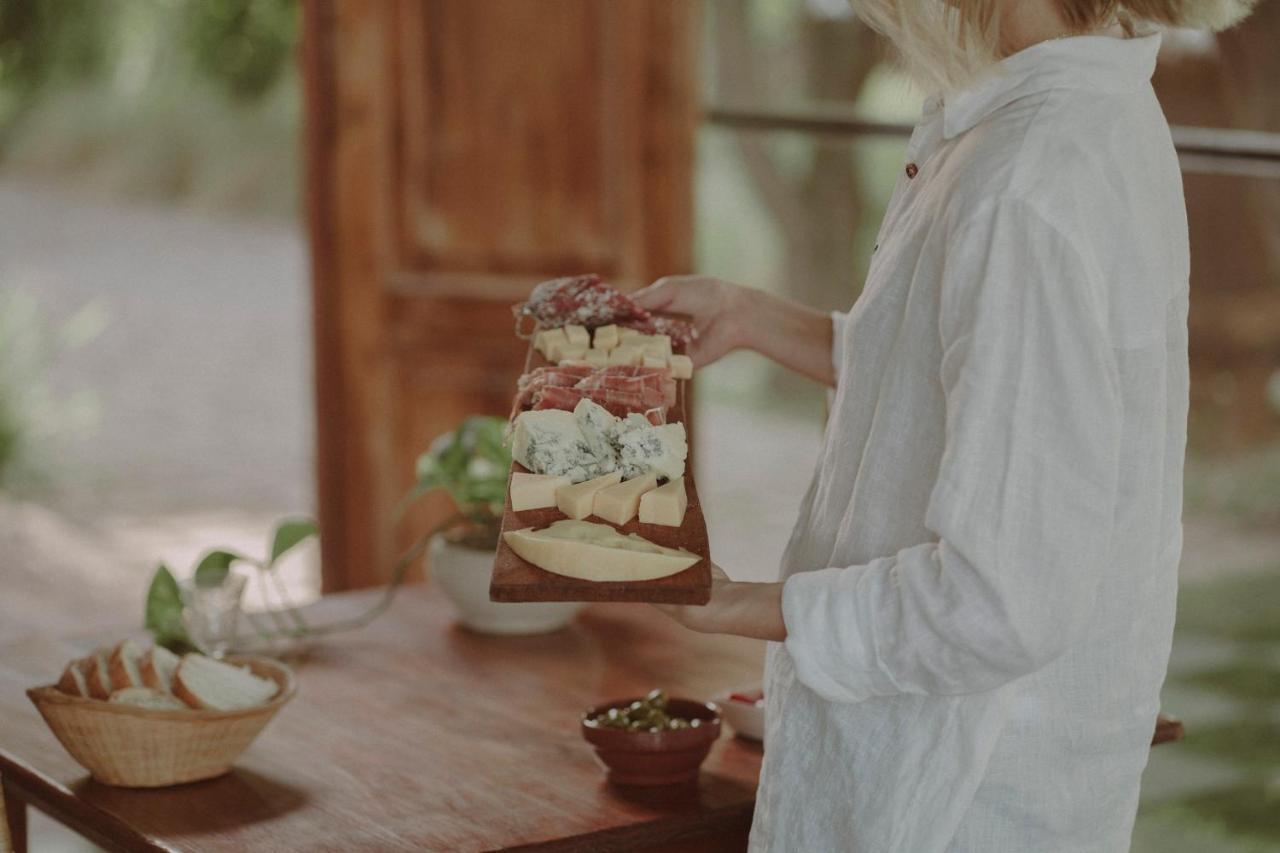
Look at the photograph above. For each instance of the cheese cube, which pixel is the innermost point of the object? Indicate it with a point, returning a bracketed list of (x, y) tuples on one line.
[(618, 504), (681, 366), (626, 332), (577, 501), (657, 345), (571, 353), (606, 337), (548, 339), (665, 504), (651, 361), (625, 354), (596, 357), (578, 336), (535, 491)]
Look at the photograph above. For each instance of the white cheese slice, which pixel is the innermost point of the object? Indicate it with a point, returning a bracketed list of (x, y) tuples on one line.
[(654, 361), (577, 500), (534, 491), (578, 336), (681, 367), (606, 338), (626, 333), (596, 552), (596, 357), (618, 504), (665, 505)]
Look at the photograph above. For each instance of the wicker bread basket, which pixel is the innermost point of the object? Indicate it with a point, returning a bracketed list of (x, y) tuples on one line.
[(137, 747)]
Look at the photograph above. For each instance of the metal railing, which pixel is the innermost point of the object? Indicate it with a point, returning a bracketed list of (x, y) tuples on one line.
[(1217, 151)]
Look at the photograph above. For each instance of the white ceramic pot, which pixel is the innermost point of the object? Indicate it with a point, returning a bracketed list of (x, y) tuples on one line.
[(464, 573)]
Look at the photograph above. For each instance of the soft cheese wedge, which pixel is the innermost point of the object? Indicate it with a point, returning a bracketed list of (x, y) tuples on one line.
[(534, 491), (665, 505), (577, 501), (619, 503), (596, 552)]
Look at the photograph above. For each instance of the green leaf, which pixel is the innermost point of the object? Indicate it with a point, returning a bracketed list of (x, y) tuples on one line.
[(215, 566), (163, 614), (288, 534), (471, 464)]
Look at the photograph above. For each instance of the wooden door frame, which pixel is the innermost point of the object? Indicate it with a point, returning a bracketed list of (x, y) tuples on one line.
[(358, 268)]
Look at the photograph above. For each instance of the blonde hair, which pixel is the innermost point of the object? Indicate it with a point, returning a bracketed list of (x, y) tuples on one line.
[(946, 43)]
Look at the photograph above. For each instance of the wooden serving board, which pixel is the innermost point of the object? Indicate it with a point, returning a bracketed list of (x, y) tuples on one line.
[(515, 579)]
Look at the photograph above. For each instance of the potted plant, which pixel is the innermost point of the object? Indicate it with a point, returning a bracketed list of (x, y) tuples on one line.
[(471, 464)]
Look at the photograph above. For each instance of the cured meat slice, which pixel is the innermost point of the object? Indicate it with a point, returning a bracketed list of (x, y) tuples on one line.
[(620, 389), (559, 397), (660, 388), (585, 300)]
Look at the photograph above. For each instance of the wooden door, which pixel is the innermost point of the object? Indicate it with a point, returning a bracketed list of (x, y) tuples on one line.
[(458, 152)]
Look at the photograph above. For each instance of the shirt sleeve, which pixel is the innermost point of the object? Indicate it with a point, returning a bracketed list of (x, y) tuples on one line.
[(1023, 506), (838, 319)]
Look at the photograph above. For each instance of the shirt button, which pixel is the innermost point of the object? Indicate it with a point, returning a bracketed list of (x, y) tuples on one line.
[(912, 170)]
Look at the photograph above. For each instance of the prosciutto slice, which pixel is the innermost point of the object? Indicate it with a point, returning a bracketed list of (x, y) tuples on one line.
[(621, 389)]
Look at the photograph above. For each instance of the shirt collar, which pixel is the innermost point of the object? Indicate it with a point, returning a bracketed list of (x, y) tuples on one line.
[(1095, 63)]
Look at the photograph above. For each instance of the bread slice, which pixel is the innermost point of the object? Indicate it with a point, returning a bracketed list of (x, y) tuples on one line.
[(145, 697), (122, 666), (157, 665), (72, 680), (203, 682), (97, 674)]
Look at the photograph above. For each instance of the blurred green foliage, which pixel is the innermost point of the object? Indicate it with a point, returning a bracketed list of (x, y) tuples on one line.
[(45, 39), (242, 45), (191, 101)]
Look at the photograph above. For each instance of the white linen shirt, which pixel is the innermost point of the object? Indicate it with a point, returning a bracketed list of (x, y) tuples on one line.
[(980, 588)]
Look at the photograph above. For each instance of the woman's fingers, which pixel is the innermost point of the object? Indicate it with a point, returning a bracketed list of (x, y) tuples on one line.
[(657, 296)]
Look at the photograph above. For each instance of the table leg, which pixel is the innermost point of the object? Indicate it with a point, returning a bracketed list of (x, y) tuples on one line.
[(13, 821)]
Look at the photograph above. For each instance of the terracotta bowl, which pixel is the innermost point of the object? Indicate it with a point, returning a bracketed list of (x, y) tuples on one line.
[(669, 757), (149, 748)]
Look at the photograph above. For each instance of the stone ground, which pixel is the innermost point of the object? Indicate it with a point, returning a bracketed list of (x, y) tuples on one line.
[(202, 385)]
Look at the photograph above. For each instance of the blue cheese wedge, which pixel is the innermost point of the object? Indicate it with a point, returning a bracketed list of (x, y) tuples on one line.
[(643, 448), (597, 552), (589, 442), (597, 426), (549, 442)]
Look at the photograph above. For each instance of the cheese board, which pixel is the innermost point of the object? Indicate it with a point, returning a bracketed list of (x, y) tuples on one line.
[(600, 505)]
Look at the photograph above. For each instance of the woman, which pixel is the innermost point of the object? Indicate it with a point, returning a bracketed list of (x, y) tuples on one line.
[(978, 598)]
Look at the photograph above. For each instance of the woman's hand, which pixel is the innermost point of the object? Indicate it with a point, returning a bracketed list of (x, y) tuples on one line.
[(729, 316), (719, 310), (744, 609)]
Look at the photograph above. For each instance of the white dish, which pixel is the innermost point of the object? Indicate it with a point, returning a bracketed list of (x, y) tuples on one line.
[(746, 720)]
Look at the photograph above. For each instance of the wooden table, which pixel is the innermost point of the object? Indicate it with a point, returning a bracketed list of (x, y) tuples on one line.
[(415, 734)]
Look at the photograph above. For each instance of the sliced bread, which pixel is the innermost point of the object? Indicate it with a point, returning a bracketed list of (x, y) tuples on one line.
[(203, 682), (97, 675), (72, 680), (145, 697), (123, 666), (157, 665)]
